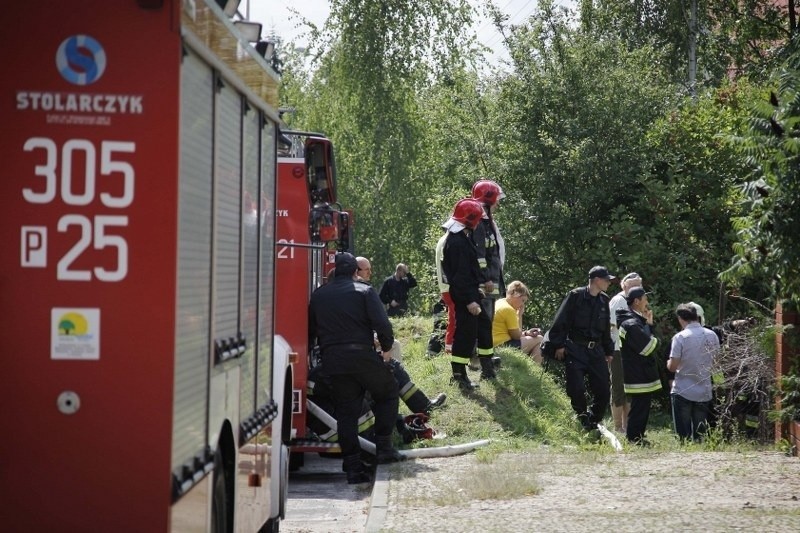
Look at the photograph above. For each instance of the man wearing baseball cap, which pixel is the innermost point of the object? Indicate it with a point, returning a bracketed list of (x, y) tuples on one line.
[(581, 335), (344, 315), (638, 345)]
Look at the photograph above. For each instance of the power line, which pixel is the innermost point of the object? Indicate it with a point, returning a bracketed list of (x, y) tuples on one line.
[(499, 36)]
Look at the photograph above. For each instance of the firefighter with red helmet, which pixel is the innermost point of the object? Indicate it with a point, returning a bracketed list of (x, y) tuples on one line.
[(490, 245), (463, 276), (491, 249)]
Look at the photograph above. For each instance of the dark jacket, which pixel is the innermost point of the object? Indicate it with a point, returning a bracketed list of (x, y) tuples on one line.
[(397, 290), (583, 318), (345, 312), (491, 266), (460, 267), (638, 348)]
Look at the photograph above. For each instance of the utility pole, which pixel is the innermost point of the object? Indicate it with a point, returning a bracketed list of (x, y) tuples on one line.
[(693, 48)]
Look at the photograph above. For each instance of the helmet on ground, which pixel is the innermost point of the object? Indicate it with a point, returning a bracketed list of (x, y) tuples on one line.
[(468, 212), (415, 427), (487, 192)]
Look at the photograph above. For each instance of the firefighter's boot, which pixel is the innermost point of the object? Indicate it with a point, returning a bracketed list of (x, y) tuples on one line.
[(436, 403), (417, 402), (355, 470), (487, 368), (474, 362), (385, 452), (461, 379)]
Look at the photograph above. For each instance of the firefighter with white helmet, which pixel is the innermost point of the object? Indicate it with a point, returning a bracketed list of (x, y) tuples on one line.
[(463, 275)]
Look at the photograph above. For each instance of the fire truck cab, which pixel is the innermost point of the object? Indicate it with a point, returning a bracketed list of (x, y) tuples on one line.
[(312, 229)]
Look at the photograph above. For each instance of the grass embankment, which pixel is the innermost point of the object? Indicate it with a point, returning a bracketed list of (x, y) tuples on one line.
[(525, 410)]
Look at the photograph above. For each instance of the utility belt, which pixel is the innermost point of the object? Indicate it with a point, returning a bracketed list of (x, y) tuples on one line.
[(589, 343), (352, 346)]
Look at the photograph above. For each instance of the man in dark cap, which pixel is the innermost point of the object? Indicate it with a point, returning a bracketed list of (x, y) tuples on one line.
[(637, 348), (581, 335), (344, 316)]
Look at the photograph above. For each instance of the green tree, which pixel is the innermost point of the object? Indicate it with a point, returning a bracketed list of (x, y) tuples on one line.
[(576, 114), (734, 37), (688, 199), (608, 164), (459, 147), (372, 61), (768, 242)]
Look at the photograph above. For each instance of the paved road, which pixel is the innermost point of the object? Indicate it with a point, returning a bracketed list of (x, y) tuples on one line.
[(320, 500)]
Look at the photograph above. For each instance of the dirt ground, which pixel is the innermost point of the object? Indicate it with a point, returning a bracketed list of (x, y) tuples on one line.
[(637, 491)]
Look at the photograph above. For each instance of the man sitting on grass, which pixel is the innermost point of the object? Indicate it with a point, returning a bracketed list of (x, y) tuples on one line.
[(507, 327)]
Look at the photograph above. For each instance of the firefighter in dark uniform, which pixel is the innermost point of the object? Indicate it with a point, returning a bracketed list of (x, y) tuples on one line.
[(490, 246), (460, 268), (581, 336), (640, 370), (343, 314)]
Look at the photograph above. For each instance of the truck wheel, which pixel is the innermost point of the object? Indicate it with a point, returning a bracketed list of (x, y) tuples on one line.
[(296, 461), (219, 504), (284, 489), (272, 526)]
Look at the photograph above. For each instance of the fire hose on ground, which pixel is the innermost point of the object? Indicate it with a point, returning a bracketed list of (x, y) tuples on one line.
[(418, 453)]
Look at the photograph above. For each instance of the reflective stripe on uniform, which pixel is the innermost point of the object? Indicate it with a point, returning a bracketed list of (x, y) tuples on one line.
[(407, 391), (493, 292), (641, 388), (330, 436), (485, 352), (366, 421), (482, 262), (651, 346), (459, 360)]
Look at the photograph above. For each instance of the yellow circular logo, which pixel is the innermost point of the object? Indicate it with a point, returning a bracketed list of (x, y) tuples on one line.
[(72, 324)]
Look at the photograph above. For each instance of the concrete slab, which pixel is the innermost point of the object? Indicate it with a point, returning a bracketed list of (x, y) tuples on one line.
[(320, 500)]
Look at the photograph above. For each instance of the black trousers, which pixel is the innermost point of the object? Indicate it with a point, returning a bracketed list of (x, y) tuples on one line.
[(372, 375), (469, 329), (638, 416), (582, 362)]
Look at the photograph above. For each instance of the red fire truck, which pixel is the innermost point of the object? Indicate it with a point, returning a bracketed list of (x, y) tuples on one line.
[(145, 390), (312, 228)]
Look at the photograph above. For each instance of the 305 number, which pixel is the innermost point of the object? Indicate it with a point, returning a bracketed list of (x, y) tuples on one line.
[(108, 166)]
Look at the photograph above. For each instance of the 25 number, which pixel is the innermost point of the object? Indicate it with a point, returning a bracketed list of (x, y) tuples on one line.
[(100, 240)]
